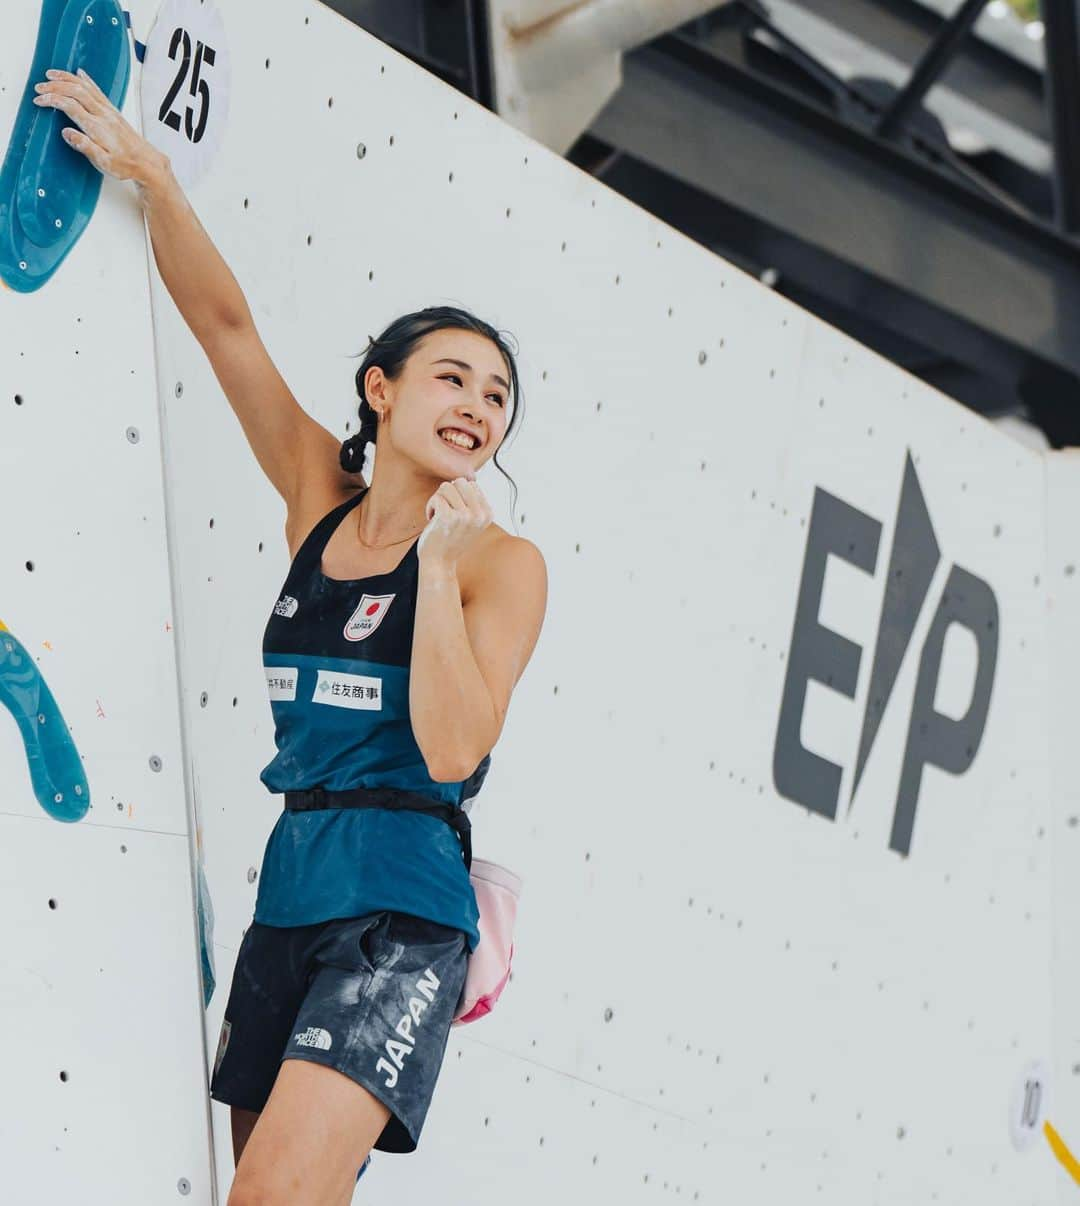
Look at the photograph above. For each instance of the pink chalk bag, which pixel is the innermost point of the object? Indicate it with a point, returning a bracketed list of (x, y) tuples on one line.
[(497, 892), (497, 888)]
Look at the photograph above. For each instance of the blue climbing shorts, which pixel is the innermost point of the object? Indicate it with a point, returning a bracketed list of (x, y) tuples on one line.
[(371, 996)]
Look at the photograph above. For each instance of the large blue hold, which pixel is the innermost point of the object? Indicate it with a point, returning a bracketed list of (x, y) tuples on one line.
[(48, 190)]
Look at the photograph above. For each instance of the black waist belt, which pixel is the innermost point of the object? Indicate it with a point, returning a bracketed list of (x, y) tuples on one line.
[(394, 798)]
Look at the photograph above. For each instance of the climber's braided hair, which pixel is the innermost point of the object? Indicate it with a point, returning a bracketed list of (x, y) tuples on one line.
[(394, 347)]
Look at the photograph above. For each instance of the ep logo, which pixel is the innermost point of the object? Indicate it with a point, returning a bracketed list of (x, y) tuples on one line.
[(820, 654)]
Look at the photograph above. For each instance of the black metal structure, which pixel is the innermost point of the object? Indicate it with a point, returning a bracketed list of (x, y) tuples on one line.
[(1062, 21), (449, 38), (929, 67), (849, 197)]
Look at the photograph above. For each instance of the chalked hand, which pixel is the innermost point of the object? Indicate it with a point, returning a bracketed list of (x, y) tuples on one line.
[(457, 512), (103, 135)]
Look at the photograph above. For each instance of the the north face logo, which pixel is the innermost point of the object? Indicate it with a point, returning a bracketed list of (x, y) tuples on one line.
[(367, 616), (286, 606), (313, 1036)]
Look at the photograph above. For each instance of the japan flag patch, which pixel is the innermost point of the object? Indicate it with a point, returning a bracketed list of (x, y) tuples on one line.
[(367, 616)]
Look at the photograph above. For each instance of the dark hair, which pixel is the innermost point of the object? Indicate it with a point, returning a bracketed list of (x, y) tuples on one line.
[(394, 347)]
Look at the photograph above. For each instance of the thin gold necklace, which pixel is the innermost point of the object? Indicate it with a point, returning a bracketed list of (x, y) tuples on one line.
[(389, 544)]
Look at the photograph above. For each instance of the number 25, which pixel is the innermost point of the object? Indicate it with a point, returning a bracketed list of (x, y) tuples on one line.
[(199, 87)]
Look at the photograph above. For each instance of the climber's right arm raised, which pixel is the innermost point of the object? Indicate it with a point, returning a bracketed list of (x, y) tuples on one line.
[(287, 442)]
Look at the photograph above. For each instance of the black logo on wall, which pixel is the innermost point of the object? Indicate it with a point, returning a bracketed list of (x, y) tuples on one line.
[(820, 654)]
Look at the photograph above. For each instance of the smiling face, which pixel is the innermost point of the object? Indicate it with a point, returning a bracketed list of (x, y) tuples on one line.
[(453, 379)]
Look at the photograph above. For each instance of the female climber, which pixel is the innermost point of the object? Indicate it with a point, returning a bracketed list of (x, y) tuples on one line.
[(404, 623)]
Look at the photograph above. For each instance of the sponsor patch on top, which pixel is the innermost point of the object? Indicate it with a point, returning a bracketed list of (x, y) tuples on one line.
[(367, 616), (348, 690), (281, 681)]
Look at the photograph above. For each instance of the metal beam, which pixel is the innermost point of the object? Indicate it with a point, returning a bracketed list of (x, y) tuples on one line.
[(948, 252), (985, 75), (883, 315), (448, 38), (930, 66), (778, 168), (1061, 19)]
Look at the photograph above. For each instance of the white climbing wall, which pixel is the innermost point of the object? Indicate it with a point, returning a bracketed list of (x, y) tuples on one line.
[(104, 1068), (721, 991)]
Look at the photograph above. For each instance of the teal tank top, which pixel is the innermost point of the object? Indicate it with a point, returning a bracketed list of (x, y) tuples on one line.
[(336, 655)]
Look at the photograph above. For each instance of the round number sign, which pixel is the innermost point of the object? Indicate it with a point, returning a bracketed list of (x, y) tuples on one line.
[(185, 86)]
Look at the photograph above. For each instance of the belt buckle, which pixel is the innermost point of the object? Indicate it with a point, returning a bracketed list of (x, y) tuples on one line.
[(318, 797)]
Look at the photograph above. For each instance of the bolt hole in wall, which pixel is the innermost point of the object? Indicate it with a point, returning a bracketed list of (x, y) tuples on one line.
[(703, 358)]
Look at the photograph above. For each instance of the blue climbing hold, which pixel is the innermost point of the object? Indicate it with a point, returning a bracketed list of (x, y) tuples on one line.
[(56, 772), (206, 936), (48, 190)]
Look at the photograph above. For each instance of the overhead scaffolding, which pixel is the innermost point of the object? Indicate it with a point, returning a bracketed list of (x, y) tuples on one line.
[(1061, 19), (909, 171)]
